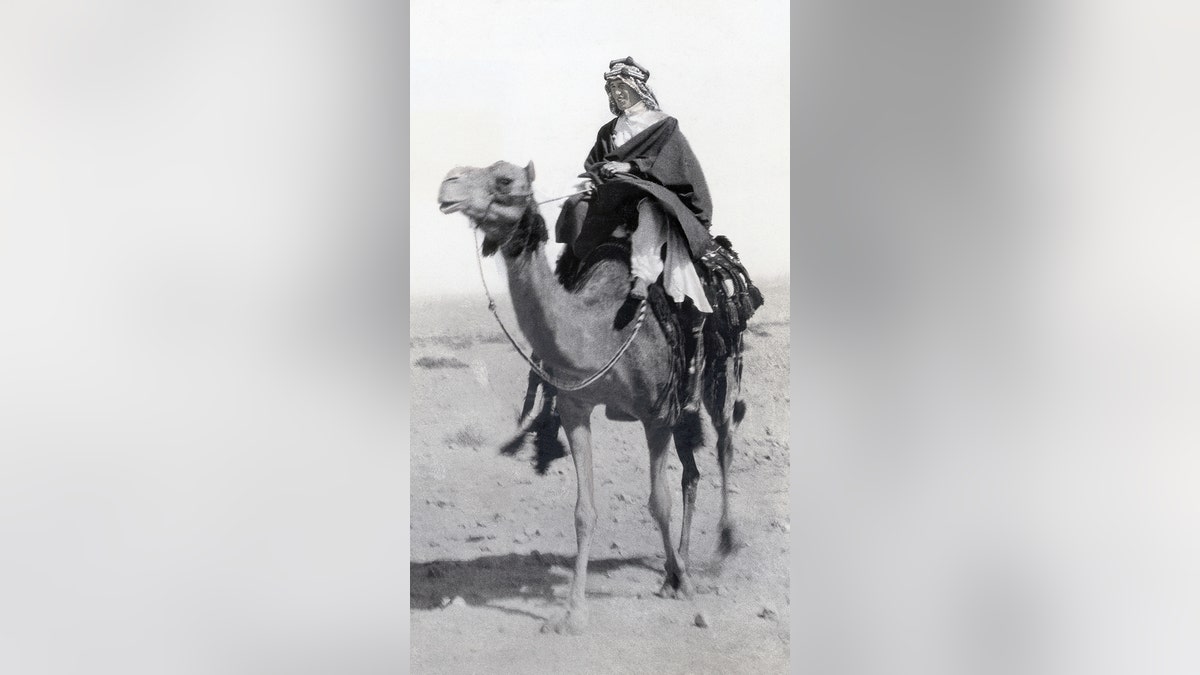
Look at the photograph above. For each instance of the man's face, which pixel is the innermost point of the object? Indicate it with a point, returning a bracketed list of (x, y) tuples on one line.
[(621, 94)]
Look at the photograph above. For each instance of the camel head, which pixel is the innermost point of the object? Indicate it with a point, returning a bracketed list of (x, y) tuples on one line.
[(495, 198)]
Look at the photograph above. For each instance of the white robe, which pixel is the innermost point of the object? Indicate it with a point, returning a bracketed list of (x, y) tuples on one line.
[(646, 262)]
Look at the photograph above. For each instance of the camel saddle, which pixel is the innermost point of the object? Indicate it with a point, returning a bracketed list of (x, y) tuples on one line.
[(728, 287)]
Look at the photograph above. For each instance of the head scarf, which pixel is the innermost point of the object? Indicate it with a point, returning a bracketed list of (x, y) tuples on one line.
[(629, 72)]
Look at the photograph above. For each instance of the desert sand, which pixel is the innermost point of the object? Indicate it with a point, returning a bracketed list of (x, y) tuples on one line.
[(492, 543)]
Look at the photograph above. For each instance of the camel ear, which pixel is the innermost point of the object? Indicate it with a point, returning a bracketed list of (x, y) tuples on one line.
[(529, 172)]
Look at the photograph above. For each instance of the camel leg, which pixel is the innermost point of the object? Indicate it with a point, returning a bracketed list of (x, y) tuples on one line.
[(726, 421), (730, 540), (691, 478), (576, 420), (677, 582)]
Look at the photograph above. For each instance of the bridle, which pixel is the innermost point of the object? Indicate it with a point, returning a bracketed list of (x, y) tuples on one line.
[(559, 384)]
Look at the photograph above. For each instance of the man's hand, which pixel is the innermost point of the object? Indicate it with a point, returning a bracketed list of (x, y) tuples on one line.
[(611, 169)]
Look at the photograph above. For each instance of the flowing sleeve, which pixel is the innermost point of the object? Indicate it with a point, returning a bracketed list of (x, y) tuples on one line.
[(642, 165), (600, 148), (669, 172), (675, 167)]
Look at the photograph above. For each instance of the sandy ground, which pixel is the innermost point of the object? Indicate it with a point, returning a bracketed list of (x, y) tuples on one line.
[(493, 543)]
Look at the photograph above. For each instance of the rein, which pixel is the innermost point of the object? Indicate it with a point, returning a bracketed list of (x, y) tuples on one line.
[(576, 386), (547, 201), (530, 194)]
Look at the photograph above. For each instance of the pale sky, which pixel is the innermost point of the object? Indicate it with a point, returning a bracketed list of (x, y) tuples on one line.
[(521, 81)]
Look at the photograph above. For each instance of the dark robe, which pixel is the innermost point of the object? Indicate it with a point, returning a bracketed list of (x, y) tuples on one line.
[(664, 169)]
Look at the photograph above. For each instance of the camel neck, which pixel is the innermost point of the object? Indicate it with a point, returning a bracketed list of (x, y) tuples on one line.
[(570, 330), (541, 304)]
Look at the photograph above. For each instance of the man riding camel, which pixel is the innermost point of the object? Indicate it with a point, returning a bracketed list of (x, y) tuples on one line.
[(644, 183)]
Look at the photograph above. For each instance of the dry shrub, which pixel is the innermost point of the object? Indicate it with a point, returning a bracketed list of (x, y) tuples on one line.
[(468, 437), (438, 362)]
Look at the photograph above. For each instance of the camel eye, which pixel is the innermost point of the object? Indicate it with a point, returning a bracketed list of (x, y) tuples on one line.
[(504, 181)]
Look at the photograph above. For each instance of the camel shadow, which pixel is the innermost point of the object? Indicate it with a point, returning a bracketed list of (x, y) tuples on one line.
[(486, 579)]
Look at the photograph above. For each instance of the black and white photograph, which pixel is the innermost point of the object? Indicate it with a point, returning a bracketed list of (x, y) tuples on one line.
[(364, 337), (601, 467)]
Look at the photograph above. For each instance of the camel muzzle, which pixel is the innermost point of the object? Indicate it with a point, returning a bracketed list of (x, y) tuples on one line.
[(452, 196), (451, 206)]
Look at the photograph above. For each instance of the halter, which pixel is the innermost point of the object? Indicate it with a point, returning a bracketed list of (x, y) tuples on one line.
[(576, 386)]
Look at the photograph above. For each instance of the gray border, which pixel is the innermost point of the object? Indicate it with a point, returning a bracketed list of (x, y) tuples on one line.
[(403, 28)]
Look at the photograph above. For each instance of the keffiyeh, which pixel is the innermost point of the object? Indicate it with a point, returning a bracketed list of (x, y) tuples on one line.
[(633, 75)]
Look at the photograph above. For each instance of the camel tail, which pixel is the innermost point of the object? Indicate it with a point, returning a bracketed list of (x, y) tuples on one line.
[(739, 411)]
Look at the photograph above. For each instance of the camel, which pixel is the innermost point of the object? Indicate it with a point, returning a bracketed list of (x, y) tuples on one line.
[(573, 333)]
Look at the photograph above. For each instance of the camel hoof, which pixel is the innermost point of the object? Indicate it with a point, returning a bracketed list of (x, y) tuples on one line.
[(668, 592), (677, 587), (573, 622), (730, 542)]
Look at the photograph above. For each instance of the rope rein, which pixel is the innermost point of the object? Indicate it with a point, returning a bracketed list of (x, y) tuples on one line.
[(562, 197), (576, 386)]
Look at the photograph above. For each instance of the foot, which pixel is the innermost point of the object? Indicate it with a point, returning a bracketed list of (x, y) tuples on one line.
[(626, 313), (640, 289), (677, 586), (573, 622)]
